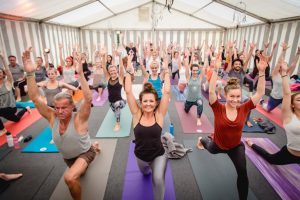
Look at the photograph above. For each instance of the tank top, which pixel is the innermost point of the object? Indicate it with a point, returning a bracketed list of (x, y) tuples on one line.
[(175, 65), (7, 98), (293, 133), (70, 144), (193, 90), (277, 92), (148, 144), (157, 84), (114, 90), (69, 75), (182, 77), (50, 93)]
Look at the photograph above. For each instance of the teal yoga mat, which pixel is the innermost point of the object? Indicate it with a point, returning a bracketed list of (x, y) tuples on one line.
[(41, 144), (214, 173), (107, 126)]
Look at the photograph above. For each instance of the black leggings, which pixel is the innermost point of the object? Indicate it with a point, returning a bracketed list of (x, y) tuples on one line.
[(250, 83), (282, 157), (174, 73), (237, 156), (10, 114), (267, 79)]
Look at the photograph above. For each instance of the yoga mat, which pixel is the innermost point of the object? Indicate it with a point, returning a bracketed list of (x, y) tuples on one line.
[(166, 125), (107, 126), (137, 186), (274, 115), (103, 100), (3, 185), (22, 104), (78, 96), (254, 129), (206, 95), (16, 127), (93, 183), (179, 96), (136, 90), (189, 120), (215, 174), (174, 81), (284, 179), (4, 151), (26, 187), (41, 144)]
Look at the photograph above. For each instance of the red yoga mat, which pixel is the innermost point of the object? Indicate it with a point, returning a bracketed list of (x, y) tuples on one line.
[(17, 127), (189, 120), (275, 115)]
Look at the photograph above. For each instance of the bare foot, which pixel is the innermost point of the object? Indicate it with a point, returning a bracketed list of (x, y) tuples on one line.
[(249, 142), (96, 147), (199, 144), (52, 142), (28, 109), (10, 177), (117, 127), (249, 124), (18, 99), (199, 123)]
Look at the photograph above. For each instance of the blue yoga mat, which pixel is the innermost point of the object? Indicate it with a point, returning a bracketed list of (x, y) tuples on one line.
[(254, 129), (22, 104), (41, 144)]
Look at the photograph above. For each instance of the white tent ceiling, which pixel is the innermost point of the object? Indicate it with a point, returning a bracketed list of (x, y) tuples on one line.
[(124, 14)]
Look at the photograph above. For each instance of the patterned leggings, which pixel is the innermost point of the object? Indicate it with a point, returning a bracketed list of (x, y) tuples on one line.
[(116, 108)]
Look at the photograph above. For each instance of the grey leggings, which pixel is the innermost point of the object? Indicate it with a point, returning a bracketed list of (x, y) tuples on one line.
[(116, 108), (158, 167)]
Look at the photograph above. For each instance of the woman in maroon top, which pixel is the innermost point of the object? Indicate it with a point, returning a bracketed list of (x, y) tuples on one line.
[(229, 122)]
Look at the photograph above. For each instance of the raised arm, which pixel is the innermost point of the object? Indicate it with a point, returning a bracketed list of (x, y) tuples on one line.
[(62, 61), (260, 91), (85, 108), (246, 63), (103, 55), (33, 91), (230, 46), (6, 70), (144, 72), (276, 69), (46, 59), (286, 102), (294, 62), (272, 52), (213, 80), (164, 103)]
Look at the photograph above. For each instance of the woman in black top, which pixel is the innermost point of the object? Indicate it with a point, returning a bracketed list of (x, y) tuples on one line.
[(114, 86), (147, 121)]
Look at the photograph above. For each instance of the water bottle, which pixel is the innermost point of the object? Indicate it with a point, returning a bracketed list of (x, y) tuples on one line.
[(9, 138), (16, 143), (172, 129)]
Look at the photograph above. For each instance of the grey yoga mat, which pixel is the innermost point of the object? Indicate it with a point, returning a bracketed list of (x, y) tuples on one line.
[(214, 173), (93, 183)]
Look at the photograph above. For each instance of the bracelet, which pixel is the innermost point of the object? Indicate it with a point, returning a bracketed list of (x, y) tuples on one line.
[(30, 74), (261, 76), (283, 76), (129, 73)]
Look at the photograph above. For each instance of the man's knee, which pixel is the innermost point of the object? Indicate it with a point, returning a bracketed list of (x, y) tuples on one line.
[(70, 178)]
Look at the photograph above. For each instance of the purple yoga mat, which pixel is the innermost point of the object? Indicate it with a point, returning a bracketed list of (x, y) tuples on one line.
[(103, 98), (285, 179), (137, 186), (189, 120), (174, 81), (205, 94)]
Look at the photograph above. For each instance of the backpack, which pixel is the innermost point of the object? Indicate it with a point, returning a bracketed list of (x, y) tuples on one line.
[(267, 126)]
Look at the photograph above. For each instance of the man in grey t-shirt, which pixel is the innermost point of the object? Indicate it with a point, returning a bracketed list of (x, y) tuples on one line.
[(17, 72)]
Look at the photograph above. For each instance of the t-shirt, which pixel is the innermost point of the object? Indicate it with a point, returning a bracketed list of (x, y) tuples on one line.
[(133, 50), (17, 71), (237, 74), (227, 134)]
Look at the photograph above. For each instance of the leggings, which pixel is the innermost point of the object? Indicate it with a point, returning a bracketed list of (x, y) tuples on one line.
[(198, 103), (9, 113), (158, 167), (282, 157), (272, 104), (116, 108), (267, 79), (174, 73), (250, 83), (237, 156)]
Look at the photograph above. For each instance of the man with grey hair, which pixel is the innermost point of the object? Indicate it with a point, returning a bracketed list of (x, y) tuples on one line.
[(69, 129)]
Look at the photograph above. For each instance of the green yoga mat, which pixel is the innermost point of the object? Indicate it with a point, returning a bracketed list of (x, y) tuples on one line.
[(215, 174), (107, 126)]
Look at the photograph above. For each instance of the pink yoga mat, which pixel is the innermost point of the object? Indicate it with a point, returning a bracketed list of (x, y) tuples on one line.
[(274, 115), (103, 98), (189, 120), (17, 127), (285, 179)]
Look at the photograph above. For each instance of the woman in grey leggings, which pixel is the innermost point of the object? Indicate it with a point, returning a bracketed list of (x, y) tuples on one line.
[(148, 118)]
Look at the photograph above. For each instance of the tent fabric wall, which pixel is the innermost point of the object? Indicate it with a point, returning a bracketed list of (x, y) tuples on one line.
[(277, 32)]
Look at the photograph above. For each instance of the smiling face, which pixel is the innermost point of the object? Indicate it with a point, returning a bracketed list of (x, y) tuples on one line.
[(233, 97), (12, 61), (52, 74), (148, 102), (195, 70), (154, 67), (113, 72), (237, 65)]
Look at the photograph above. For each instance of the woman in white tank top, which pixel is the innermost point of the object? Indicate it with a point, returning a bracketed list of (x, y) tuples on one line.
[(290, 153)]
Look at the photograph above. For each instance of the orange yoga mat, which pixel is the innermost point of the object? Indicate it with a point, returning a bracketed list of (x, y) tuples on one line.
[(275, 115), (78, 96), (17, 127)]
